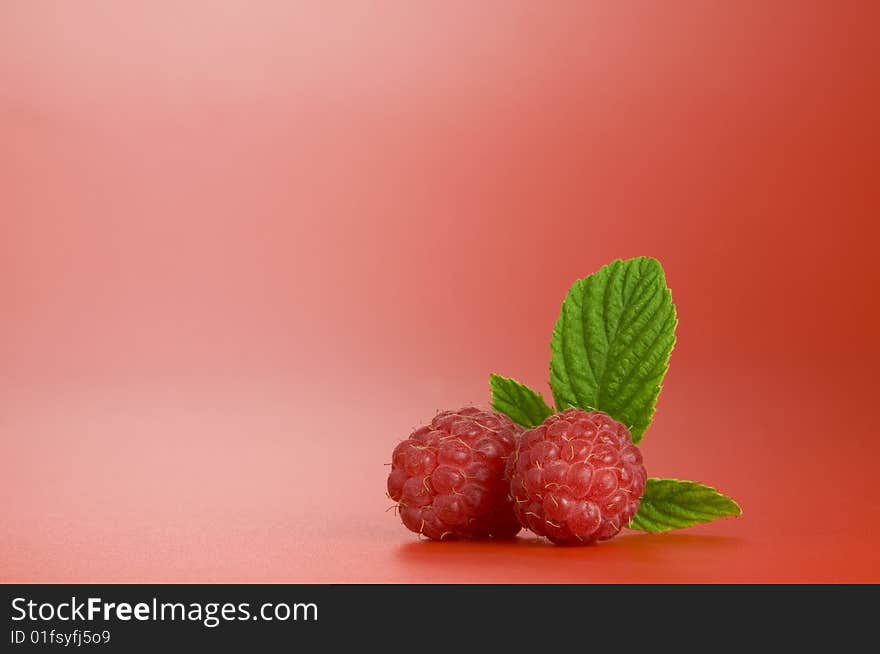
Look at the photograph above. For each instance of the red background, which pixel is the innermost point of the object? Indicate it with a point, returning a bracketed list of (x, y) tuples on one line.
[(247, 247)]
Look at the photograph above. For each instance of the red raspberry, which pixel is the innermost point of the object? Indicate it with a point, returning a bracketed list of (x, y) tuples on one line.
[(448, 478), (576, 478)]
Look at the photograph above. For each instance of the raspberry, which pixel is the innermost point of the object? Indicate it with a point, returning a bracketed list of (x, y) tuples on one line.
[(576, 478), (448, 477)]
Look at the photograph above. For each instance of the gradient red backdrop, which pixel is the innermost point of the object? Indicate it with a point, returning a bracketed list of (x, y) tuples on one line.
[(247, 247)]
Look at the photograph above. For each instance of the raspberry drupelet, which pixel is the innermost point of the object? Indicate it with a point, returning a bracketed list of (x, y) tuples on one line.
[(448, 478), (577, 478)]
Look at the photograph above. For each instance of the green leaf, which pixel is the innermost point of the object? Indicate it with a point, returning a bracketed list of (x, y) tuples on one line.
[(523, 405), (673, 504), (612, 341)]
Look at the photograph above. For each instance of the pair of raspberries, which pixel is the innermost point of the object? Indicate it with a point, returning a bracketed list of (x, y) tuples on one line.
[(576, 478)]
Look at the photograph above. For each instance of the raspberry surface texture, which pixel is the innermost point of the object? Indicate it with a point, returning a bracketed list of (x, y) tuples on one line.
[(577, 478), (448, 478)]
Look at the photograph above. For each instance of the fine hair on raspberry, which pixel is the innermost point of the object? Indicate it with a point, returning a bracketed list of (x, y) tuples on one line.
[(577, 478), (448, 478)]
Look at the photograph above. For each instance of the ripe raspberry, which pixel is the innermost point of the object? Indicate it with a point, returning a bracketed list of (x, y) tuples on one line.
[(448, 477), (576, 478)]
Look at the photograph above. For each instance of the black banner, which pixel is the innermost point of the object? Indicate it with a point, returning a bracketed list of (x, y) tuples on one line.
[(127, 618)]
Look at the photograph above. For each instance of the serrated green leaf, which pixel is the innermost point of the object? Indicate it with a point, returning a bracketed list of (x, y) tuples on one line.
[(673, 504), (612, 341), (519, 402)]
